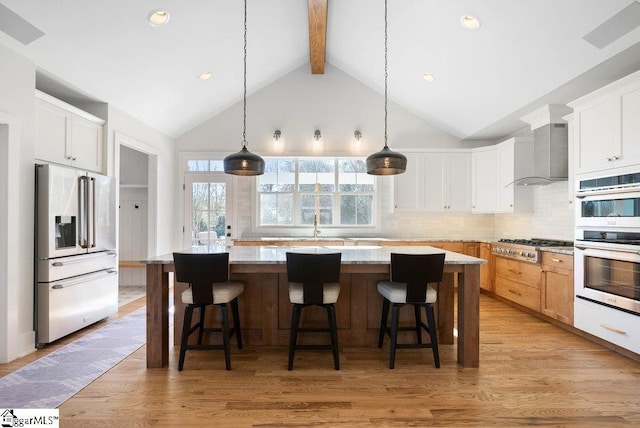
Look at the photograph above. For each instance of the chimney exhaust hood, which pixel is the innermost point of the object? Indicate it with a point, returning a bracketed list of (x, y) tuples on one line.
[(550, 146)]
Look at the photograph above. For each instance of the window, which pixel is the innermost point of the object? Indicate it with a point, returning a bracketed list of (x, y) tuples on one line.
[(356, 192), (276, 187), (294, 192), (205, 166)]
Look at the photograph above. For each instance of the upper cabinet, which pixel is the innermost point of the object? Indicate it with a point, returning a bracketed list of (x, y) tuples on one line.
[(606, 129), (484, 169), (435, 181), (495, 170), (67, 135)]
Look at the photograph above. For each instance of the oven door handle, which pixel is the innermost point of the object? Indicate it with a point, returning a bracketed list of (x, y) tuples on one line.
[(621, 254), (612, 190), (621, 250)]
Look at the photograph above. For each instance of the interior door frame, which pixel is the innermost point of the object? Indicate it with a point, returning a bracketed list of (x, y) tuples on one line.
[(13, 342), (209, 177), (152, 185)]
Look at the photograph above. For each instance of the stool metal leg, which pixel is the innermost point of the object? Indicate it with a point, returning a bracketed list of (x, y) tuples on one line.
[(416, 311), (293, 338), (186, 327), (433, 334), (331, 312), (225, 335), (383, 321), (201, 324), (236, 322), (394, 335)]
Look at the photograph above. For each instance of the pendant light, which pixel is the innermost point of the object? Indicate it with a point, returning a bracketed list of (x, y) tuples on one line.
[(244, 162), (386, 161)]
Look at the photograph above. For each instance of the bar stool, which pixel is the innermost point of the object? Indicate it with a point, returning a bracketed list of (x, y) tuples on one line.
[(208, 278), (314, 279), (409, 284)]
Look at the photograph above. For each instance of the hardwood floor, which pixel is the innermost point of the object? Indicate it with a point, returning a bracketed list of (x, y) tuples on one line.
[(531, 373)]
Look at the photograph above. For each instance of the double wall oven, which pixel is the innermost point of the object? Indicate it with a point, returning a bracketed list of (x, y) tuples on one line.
[(607, 241)]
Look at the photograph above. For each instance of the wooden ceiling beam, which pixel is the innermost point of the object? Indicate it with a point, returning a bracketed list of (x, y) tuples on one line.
[(317, 34)]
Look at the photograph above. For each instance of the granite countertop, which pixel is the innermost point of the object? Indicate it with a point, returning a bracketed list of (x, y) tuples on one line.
[(357, 238), (362, 254)]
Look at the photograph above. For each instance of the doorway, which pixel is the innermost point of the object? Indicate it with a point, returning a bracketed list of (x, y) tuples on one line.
[(133, 224), (207, 210)]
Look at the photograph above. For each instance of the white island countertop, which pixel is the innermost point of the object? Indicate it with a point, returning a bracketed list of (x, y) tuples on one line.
[(269, 254)]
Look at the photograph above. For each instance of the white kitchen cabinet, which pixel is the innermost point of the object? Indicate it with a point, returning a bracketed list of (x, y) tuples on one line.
[(515, 160), (484, 178), (407, 195), (457, 182), (606, 129), (612, 325), (494, 171), (435, 181), (67, 135)]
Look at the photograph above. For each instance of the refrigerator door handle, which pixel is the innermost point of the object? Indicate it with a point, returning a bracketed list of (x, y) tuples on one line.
[(62, 285), (92, 230), (72, 261), (83, 190)]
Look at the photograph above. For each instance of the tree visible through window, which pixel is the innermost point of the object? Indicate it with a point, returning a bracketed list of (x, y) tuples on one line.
[(293, 192)]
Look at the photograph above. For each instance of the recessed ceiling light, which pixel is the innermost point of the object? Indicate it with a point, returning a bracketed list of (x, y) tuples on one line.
[(428, 77), (470, 22), (205, 75), (158, 17)]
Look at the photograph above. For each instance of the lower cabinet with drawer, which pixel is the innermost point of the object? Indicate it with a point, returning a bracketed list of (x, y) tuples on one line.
[(612, 325), (518, 282), (557, 286)]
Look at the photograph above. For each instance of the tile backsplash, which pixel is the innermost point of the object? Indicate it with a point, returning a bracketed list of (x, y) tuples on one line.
[(551, 218)]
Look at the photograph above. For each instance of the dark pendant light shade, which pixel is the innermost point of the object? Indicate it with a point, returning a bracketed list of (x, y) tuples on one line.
[(243, 163), (386, 162)]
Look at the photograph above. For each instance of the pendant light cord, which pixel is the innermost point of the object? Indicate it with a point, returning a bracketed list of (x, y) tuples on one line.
[(244, 94), (385, 74)]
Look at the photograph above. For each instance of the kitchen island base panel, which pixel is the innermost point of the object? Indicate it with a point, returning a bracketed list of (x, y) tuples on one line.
[(265, 309)]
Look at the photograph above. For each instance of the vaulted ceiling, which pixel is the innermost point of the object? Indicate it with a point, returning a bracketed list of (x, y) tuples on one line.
[(526, 53)]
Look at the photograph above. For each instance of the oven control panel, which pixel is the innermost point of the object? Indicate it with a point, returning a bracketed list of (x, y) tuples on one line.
[(527, 255)]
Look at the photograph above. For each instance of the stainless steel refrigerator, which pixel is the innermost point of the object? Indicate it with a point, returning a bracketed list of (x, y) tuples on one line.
[(76, 259)]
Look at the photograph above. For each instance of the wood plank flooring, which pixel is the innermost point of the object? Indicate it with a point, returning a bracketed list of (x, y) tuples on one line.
[(531, 373)]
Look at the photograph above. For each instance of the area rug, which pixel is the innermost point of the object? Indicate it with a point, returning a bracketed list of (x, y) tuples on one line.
[(51, 380)]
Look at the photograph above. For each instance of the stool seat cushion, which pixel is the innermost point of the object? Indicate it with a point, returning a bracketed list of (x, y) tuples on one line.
[(329, 295), (396, 292), (223, 292)]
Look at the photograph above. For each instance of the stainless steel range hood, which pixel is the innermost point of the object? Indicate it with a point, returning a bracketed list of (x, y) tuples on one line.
[(550, 147)]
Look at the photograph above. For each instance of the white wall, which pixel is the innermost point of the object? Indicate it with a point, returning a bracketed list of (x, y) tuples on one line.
[(299, 103), (17, 105), (17, 147), (337, 105), (127, 130), (134, 167)]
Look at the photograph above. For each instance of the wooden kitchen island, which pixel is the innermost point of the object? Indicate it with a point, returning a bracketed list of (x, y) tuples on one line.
[(265, 310)]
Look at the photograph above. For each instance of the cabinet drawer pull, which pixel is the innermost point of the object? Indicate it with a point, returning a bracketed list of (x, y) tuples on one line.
[(517, 293), (517, 272), (557, 260), (613, 329)]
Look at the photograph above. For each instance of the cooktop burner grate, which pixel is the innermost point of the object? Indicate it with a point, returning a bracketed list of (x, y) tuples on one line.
[(538, 242)]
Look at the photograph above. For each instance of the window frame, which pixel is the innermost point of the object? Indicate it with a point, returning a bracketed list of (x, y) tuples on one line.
[(335, 228)]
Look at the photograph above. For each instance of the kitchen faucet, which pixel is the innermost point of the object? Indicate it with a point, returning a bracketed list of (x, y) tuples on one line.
[(315, 226)]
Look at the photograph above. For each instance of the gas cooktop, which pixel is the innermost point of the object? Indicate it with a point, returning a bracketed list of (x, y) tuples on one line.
[(525, 249), (538, 242)]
